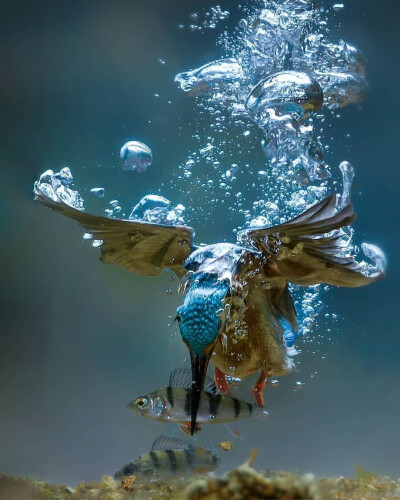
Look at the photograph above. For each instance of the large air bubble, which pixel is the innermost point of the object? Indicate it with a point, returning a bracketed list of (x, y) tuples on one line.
[(202, 80), (136, 156), (287, 92)]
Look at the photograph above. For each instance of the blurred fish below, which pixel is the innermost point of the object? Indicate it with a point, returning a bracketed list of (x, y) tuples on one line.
[(169, 457), (173, 403)]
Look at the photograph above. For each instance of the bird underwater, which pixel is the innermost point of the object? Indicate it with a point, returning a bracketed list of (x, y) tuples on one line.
[(236, 295)]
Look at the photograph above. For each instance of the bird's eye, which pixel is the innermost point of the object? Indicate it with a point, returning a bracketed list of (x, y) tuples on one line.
[(141, 403)]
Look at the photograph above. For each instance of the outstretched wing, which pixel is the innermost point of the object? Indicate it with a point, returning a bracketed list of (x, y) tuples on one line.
[(140, 247), (307, 249)]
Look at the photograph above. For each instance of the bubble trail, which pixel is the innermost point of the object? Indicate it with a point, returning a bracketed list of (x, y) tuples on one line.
[(348, 180), (278, 82)]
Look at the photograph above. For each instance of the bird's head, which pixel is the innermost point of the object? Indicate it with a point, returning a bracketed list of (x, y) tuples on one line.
[(200, 324)]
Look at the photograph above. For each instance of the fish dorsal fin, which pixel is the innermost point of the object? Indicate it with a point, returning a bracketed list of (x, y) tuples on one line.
[(163, 443), (182, 378)]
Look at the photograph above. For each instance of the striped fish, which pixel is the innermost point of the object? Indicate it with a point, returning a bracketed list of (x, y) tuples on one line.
[(173, 403), (169, 458)]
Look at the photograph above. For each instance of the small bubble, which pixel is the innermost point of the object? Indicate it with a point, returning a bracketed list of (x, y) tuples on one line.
[(338, 6), (98, 192)]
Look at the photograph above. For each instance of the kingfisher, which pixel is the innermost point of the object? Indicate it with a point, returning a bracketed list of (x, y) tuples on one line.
[(236, 295)]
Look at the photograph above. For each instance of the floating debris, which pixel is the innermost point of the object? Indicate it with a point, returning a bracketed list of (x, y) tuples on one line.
[(226, 445), (136, 156)]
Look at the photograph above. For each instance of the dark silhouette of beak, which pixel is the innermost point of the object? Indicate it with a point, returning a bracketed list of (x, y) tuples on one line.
[(199, 370)]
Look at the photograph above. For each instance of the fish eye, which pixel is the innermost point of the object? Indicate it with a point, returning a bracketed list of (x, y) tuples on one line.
[(141, 403)]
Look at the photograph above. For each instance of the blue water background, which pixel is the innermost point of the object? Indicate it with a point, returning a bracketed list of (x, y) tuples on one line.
[(79, 339)]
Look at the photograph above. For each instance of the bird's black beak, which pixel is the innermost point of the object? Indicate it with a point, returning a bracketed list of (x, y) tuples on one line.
[(199, 370)]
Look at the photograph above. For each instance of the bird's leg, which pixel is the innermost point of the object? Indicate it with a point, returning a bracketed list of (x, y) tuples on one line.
[(258, 389), (220, 381)]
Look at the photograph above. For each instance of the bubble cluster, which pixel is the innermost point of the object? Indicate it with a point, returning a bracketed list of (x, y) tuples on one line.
[(57, 186), (278, 84), (157, 210), (207, 20), (216, 74), (261, 154), (283, 68), (114, 210)]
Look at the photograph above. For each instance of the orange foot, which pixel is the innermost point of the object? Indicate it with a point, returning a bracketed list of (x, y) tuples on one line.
[(258, 389), (220, 381)]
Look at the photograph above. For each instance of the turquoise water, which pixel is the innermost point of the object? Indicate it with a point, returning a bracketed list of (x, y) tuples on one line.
[(79, 340)]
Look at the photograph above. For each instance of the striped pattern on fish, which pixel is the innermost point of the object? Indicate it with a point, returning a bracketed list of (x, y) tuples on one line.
[(173, 404), (175, 459)]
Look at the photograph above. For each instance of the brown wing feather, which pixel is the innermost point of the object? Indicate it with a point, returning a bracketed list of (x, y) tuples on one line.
[(301, 252), (140, 247)]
